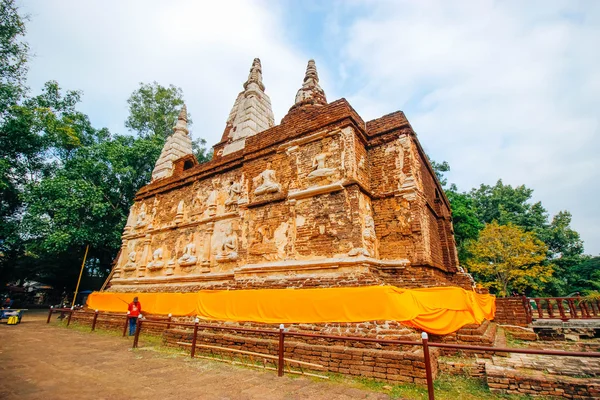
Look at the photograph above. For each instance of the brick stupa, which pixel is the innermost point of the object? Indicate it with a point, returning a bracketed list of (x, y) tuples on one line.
[(323, 199)]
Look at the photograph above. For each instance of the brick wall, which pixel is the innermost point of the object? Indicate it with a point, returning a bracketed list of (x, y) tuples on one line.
[(509, 381), (385, 363), (510, 311)]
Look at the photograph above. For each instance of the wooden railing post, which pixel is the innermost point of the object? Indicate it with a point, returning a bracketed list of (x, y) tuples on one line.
[(49, 314), (426, 359), (528, 310), (138, 328), (194, 337), (169, 324), (126, 323), (94, 320), (281, 350), (70, 315)]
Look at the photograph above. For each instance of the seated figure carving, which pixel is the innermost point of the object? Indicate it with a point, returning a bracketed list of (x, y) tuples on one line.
[(188, 258), (234, 190), (157, 262), (267, 182), (130, 265), (229, 248), (141, 218), (319, 168)]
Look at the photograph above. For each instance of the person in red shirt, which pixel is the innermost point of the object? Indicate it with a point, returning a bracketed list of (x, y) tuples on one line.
[(134, 310)]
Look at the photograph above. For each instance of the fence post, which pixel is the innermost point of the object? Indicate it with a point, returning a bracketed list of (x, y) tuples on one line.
[(70, 315), (94, 320), (126, 323), (428, 375), (281, 350), (194, 337), (169, 324), (50, 314), (138, 328)]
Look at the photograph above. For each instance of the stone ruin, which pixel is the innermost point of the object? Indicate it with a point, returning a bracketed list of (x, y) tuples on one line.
[(323, 199)]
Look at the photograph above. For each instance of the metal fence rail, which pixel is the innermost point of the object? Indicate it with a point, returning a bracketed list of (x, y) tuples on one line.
[(282, 333)]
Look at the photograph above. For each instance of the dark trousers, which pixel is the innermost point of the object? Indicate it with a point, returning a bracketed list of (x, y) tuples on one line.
[(132, 324)]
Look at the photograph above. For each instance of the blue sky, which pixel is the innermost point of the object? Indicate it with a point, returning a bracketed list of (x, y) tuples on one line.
[(500, 89)]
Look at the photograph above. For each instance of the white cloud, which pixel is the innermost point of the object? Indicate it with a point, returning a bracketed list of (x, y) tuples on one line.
[(505, 90), (498, 89), (105, 48)]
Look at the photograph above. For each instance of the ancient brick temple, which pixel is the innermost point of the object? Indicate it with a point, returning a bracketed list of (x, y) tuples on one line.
[(322, 199)]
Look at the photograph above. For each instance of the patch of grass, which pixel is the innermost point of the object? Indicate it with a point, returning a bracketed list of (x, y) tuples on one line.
[(447, 387)]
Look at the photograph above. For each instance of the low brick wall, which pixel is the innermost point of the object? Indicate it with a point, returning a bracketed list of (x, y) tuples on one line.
[(385, 363), (510, 311), (509, 381), (472, 368)]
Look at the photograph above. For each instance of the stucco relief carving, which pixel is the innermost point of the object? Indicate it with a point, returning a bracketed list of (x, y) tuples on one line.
[(211, 203), (157, 260), (229, 248), (188, 258), (263, 243), (319, 167), (266, 182), (140, 220), (180, 211), (198, 203), (130, 264), (234, 192), (153, 213)]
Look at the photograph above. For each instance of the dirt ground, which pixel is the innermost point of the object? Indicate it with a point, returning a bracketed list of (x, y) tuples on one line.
[(40, 361)]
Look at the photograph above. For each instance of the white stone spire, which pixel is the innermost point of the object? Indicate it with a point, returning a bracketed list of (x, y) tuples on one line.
[(178, 145), (251, 112), (310, 93)]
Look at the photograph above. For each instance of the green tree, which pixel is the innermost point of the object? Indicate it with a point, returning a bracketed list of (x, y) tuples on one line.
[(14, 53), (153, 111), (464, 219), (506, 258), (505, 204)]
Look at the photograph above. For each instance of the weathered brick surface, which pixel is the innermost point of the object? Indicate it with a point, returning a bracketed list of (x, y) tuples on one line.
[(510, 381), (510, 311), (380, 362), (321, 185)]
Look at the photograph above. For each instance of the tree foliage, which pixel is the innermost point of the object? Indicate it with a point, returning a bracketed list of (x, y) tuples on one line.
[(506, 258), (63, 183), (153, 111)]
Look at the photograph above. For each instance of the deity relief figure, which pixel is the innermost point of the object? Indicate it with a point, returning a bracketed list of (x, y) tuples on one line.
[(267, 180), (234, 191), (198, 206), (188, 258), (319, 168), (211, 203), (263, 241), (153, 213), (141, 217), (130, 265), (157, 262), (229, 248)]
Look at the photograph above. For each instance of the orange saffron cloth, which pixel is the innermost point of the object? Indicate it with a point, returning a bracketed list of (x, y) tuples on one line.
[(440, 310)]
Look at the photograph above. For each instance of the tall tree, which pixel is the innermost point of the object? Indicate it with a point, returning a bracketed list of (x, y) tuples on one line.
[(153, 111), (506, 258)]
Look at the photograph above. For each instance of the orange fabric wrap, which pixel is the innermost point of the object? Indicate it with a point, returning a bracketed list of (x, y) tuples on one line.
[(439, 310)]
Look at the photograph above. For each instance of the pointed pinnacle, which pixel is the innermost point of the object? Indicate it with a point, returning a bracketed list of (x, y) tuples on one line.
[(255, 75), (183, 114), (182, 119), (311, 71)]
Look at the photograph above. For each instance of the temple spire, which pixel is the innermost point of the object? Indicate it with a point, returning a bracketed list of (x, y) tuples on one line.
[(178, 145), (251, 113), (255, 75), (310, 93), (182, 119)]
